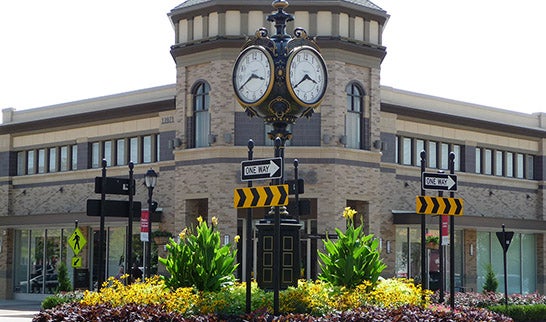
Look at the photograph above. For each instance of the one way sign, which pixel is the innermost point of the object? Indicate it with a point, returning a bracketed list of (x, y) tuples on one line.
[(261, 169), (439, 181)]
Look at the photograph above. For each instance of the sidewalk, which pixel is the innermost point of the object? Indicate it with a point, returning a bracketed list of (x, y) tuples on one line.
[(18, 310)]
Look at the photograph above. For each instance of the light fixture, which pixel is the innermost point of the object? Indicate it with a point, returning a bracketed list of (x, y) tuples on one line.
[(388, 246), (226, 239), (150, 178), (471, 250)]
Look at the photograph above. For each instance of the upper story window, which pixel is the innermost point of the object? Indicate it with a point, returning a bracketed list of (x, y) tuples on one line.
[(504, 163), (201, 114), (353, 118), (47, 160), (437, 153), (138, 149)]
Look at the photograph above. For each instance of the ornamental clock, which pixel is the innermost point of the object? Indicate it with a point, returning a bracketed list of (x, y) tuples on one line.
[(306, 76), (253, 75)]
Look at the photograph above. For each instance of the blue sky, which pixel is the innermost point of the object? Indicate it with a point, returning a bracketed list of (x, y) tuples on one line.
[(487, 52)]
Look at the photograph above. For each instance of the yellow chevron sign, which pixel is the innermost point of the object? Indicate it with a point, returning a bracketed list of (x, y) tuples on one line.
[(429, 205), (263, 196)]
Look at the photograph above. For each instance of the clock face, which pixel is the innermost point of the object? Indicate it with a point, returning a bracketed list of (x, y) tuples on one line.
[(253, 76), (306, 76)]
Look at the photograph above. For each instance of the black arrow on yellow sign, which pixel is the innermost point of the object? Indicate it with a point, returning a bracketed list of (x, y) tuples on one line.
[(429, 205), (263, 196)]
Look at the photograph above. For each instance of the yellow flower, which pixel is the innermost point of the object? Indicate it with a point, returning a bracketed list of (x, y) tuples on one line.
[(199, 219), (236, 238), (182, 234), (214, 221), (349, 213)]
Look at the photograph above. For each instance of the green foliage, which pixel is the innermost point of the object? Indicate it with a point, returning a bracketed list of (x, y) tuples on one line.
[(353, 258), (61, 298), (199, 260), (522, 313), (64, 281), (491, 283)]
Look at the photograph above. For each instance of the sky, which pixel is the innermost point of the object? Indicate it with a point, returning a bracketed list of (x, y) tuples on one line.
[(488, 52)]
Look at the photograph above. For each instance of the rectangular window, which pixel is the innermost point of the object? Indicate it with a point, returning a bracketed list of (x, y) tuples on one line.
[(457, 152), (107, 154), (499, 164), (74, 157), (41, 160), (120, 152), (432, 154), (396, 150), (31, 157), (21, 162), (444, 151), (478, 160), (202, 128), (52, 160), (519, 165), (509, 164), (133, 152), (419, 147), (147, 149), (158, 147), (352, 129), (530, 167), (406, 151), (64, 158), (95, 155), (488, 162)]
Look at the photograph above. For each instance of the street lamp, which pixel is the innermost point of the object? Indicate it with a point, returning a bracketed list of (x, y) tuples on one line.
[(150, 178)]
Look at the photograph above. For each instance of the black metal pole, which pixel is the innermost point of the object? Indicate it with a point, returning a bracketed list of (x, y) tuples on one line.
[(297, 189), (100, 274), (452, 241), (249, 248), (441, 254), (149, 243), (424, 275), (129, 252), (504, 250), (277, 242)]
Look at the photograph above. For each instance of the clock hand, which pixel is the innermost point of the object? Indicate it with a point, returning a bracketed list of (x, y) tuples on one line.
[(249, 79), (306, 77)]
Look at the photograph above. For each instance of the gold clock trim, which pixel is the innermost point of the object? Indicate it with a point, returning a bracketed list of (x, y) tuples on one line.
[(291, 56), (271, 77)]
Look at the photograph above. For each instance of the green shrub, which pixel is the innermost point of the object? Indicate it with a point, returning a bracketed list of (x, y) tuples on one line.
[(522, 313), (491, 283), (353, 258), (61, 298), (64, 281), (199, 260)]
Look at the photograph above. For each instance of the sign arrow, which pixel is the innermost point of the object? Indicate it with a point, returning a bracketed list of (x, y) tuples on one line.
[(262, 169), (439, 181)]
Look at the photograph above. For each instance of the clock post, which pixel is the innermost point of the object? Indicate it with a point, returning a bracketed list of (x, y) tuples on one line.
[(279, 79)]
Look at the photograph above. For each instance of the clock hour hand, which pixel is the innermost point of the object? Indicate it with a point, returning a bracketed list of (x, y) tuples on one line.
[(306, 77), (251, 78)]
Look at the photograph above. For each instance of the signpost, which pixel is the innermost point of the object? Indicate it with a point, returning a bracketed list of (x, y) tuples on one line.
[(114, 186), (77, 241), (439, 181), (263, 196), (262, 169), (429, 205), (113, 208), (144, 226), (505, 238)]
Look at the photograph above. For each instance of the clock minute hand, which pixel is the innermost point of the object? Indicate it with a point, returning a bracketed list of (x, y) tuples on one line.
[(306, 77), (249, 79)]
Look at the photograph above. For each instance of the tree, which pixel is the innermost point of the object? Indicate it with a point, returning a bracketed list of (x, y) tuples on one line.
[(491, 283)]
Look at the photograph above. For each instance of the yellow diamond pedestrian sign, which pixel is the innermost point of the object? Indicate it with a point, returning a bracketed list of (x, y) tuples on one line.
[(77, 241), (76, 262)]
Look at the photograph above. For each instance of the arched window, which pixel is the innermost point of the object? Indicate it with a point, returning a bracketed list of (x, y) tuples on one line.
[(201, 114), (353, 118)]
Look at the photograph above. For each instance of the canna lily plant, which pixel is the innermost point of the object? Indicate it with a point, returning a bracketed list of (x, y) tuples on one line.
[(353, 258), (199, 260)]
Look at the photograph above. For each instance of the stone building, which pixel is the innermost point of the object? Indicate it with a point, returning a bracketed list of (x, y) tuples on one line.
[(360, 148)]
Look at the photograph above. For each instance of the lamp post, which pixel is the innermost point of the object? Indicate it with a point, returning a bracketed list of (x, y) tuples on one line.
[(150, 178)]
